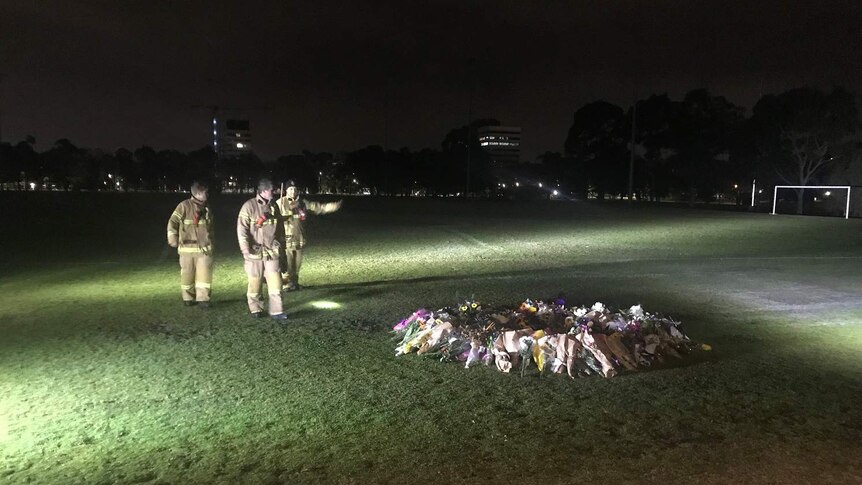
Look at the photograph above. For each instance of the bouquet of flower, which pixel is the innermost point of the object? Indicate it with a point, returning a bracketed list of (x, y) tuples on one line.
[(579, 340)]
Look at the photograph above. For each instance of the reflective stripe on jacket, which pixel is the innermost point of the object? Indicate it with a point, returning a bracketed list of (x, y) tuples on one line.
[(259, 229), (190, 228)]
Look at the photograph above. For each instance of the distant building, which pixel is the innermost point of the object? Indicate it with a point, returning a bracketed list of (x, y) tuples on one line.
[(231, 138), (503, 143)]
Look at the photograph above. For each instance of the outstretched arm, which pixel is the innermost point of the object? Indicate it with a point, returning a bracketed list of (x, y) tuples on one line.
[(322, 208)]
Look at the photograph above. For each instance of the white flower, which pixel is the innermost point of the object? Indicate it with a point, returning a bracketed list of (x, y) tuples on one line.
[(636, 311), (617, 324), (579, 312), (599, 306), (525, 343)]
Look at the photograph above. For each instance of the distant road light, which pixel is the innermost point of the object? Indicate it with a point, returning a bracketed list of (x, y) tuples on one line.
[(556, 193), (240, 145), (540, 185), (517, 184), (828, 193)]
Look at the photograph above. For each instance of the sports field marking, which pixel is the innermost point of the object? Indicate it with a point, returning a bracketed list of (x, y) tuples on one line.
[(694, 259), (470, 238), (783, 257)]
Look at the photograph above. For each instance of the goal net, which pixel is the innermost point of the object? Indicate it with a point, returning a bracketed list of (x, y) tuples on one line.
[(819, 200)]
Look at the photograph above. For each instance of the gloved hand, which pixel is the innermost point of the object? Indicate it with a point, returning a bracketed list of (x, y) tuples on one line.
[(331, 206), (173, 244)]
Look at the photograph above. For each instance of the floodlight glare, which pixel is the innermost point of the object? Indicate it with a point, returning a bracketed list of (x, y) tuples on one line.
[(325, 305), (556, 193), (239, 145), (540, 185)]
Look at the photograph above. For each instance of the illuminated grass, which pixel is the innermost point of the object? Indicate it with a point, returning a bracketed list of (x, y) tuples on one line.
[(107, 379)]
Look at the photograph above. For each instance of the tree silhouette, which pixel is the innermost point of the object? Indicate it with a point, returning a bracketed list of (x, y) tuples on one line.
[(801, 131), (702, 129), (597, 142)]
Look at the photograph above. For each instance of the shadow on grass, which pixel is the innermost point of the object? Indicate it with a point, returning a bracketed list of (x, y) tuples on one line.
[(66, 316)]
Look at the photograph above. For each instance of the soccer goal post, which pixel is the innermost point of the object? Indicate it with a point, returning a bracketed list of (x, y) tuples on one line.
[(826, 187)]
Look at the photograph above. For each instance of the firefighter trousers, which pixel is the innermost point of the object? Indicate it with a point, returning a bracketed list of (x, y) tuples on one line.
[(196, 276), (258, 271), (291, 268)]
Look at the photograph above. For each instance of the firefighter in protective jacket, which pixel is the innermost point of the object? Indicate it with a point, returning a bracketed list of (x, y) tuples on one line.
[(260, 232), (190, 230), (295, 210)]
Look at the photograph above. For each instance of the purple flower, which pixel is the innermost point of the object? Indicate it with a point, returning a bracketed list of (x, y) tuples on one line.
[(420, 313)]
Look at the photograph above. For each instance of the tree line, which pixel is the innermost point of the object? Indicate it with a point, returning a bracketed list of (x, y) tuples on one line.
[(692, 149), (705, 145)]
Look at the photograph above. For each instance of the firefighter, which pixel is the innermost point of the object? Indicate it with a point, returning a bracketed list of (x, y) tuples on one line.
[(295, 210), (190, 230), (260, 232)]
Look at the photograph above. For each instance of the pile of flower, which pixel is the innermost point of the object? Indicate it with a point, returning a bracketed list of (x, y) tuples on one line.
[(578, 340)]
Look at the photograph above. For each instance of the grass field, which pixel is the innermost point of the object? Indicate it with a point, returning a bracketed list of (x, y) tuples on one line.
[(106, 378)]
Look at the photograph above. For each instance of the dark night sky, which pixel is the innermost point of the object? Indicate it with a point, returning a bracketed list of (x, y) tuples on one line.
[(337, 75)]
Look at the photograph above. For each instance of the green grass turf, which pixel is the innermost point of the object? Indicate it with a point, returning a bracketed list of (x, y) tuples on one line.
[(106, 378)]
